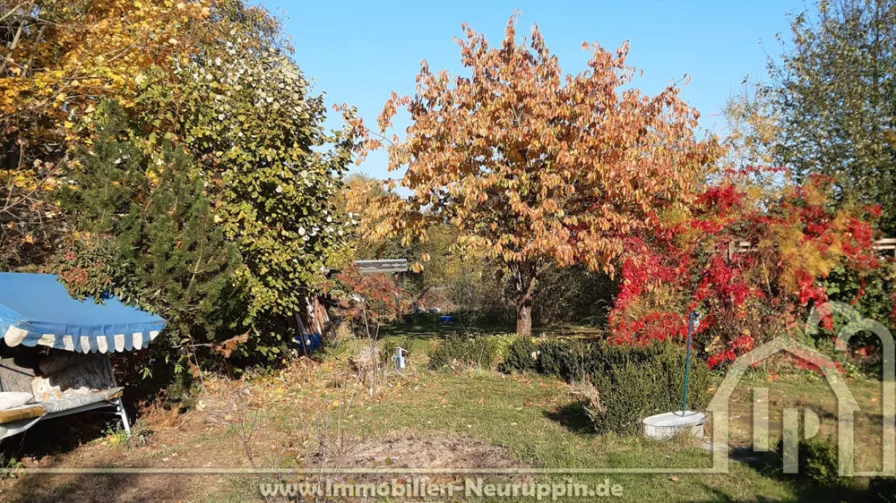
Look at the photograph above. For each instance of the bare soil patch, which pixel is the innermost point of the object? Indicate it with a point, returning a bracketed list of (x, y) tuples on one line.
[(426, 453)]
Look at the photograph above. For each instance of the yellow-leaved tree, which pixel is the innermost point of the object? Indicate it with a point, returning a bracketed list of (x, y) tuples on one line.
[(532, 166), (59, 59)]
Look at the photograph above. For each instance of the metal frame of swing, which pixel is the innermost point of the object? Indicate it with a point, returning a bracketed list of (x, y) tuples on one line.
[(115, 403)]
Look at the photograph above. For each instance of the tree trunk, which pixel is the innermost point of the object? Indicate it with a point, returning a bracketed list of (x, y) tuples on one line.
[(525, 275), (524, 319)]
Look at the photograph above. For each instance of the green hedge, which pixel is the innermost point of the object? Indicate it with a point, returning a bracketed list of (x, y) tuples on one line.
[(522, 356), (631, 382), (637, 382), (457, 351), (560, 357), (563, 357)]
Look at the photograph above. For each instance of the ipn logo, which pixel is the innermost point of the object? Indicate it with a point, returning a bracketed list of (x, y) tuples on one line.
[(846, 403)]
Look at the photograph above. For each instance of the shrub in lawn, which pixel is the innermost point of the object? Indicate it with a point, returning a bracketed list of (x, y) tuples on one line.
[(636, 382), (818, 462), (563, 358), (882, 490), (502, 343), (481, 352), (817, 459), (559, 357), (522, 356)]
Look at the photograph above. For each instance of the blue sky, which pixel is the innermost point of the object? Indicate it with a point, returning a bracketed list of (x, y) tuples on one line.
[(358, 52)]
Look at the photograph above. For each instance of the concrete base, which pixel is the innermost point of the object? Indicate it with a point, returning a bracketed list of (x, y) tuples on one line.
[(667, 425)]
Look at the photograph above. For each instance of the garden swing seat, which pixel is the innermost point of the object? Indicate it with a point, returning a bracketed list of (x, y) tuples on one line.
[(60, 350)]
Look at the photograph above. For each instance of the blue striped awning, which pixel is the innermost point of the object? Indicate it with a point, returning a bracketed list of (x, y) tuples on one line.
[(36, 310)]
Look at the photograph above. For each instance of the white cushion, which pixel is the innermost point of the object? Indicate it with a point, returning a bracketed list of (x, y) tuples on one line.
[(13, 399)]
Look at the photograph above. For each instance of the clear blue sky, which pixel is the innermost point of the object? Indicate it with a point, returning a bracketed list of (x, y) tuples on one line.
[(359, 51)]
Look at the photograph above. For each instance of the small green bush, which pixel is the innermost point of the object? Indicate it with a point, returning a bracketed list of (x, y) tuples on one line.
[(817, 458), (502, 344), (480, 352), (522, 356), (637, 382), (818, 462), (882, 490), (560, 357), (628, 395)]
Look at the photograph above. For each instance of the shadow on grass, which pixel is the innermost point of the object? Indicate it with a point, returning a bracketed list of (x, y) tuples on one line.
[(572, 416), (96, 487), (107, 488), (722, 496), (805, 491), (440, 325), (59, 435), (769, 465), (54, 444)]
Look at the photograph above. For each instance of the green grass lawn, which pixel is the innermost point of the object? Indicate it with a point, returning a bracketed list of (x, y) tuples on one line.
[(541, 425), (532, 420)]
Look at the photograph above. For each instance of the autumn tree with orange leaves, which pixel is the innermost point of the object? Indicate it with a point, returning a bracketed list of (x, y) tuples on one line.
[(534, 167)]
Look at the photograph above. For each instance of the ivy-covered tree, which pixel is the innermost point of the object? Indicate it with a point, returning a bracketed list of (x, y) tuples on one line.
[(146, 233), (244, 110)]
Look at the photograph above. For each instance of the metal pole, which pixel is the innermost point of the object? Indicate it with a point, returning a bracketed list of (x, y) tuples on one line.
[(687, 364)]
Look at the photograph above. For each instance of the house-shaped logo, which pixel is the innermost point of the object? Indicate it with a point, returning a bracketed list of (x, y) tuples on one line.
[(846, 403)]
